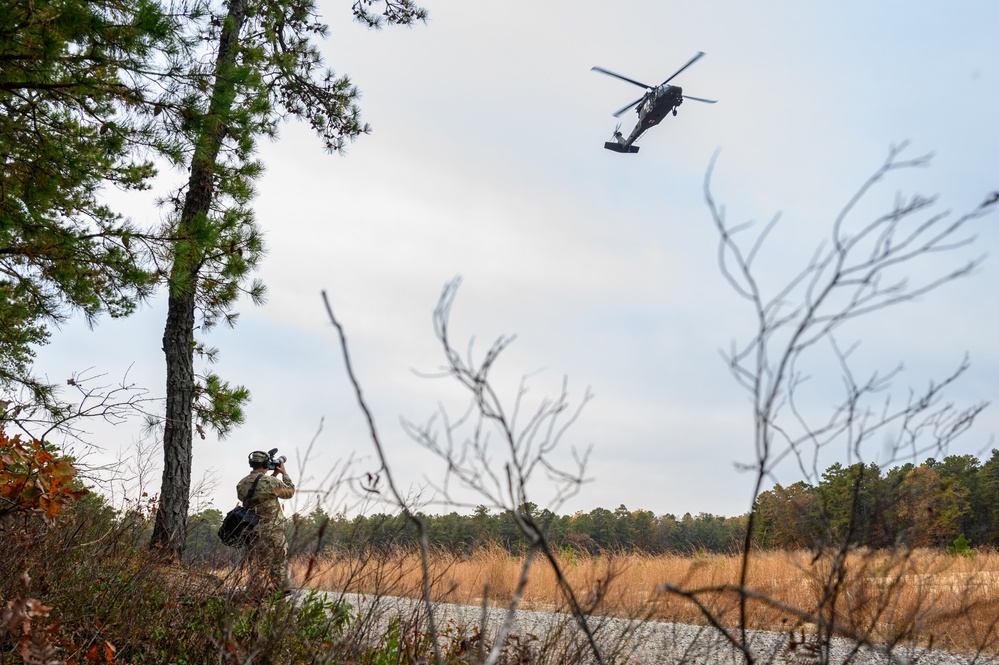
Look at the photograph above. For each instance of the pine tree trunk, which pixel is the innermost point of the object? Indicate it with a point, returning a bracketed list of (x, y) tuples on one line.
[(170, 529)]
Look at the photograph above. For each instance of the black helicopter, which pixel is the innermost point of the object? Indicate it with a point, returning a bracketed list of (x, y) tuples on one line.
[(653, 106)]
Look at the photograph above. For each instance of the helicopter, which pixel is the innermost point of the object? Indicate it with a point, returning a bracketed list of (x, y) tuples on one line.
[(653, 106)]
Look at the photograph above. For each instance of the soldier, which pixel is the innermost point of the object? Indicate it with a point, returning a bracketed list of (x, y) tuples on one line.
[(266, 556)]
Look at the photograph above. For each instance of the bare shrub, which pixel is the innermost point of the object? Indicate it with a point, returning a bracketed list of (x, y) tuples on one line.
[(862, 268), (464, 445)]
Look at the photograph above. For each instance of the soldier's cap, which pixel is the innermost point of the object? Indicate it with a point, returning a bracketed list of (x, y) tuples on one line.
[(259, 457)]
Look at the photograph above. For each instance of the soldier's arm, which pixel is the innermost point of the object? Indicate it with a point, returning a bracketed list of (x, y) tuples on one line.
[(285, 489)]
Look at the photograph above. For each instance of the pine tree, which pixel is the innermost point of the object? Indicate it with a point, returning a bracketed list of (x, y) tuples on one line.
[(73, 114), (265, 67)]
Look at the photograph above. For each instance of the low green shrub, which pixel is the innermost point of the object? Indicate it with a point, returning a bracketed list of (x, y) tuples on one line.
[(961, 547)]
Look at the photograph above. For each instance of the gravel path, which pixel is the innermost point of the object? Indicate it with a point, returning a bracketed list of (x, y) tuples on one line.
[(552, 638)]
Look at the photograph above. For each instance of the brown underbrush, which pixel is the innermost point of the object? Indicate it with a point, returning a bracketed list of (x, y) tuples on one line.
[(87, 589), (919, 597)]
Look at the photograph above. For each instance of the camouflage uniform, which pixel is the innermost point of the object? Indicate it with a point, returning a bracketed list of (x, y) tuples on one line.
[(266, 556)]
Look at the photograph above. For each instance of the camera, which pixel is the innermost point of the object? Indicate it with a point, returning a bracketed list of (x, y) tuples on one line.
[(274, 462)]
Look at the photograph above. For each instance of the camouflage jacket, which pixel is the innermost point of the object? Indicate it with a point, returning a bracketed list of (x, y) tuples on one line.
[(266, 498)]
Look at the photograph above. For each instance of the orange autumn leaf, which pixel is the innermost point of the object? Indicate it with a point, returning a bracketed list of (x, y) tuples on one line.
[(34, 480)]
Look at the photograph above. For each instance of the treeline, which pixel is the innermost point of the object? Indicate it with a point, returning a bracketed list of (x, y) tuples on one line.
[(929, 505), (593, 532)]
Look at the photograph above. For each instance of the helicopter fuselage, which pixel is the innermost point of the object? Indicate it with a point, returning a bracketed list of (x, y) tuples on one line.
[(656, 105), (652, 107)]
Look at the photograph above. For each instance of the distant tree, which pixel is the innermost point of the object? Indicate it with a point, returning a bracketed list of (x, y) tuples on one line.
[(712, 533), (624, 528), (685, 538), (960, 473), (788, 517), (482, 524), (555, 527), (603, 528), (646, 536), (893, 527), (509, 533), (450, 531), (984, 499), (734, 529), (932, 509), (849, 498), (203, 543), (309, 534), (669, 534), (578, 534)]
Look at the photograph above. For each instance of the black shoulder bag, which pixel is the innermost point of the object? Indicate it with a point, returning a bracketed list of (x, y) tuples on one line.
[(240, 522)]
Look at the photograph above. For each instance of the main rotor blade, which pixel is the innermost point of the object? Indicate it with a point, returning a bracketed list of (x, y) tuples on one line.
[(617, 114), (618, 76), (698, 99), (689, 63)]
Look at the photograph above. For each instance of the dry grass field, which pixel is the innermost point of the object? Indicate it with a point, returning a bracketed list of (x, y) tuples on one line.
[(923, 597)]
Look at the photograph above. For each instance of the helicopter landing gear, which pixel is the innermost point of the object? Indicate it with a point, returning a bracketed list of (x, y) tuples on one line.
[(674, 113)]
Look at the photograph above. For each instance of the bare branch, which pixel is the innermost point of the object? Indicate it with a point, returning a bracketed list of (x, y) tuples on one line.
[(850, 275)]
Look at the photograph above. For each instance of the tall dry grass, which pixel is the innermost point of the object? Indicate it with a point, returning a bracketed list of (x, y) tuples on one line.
[(923, 597)]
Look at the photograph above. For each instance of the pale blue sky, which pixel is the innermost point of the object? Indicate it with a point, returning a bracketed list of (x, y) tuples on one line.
[(486, 161)]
